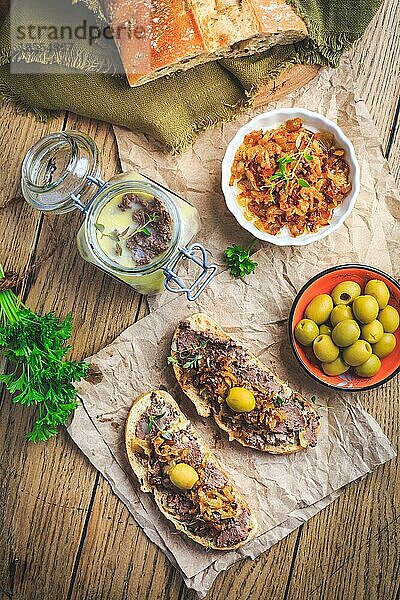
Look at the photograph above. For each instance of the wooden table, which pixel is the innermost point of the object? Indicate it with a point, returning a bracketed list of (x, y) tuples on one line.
[(63, 534)]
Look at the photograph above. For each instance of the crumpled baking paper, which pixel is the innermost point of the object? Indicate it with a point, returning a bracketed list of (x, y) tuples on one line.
[(285, 491)]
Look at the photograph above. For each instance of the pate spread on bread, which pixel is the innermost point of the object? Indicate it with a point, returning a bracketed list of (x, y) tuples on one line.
[(172, 461), (209, 364), (164, 36)]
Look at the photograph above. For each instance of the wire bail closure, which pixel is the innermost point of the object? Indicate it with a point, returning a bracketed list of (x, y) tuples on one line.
[(208, 272), (76, 199)]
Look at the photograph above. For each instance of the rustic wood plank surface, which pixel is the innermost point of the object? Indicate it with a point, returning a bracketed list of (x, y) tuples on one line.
[(63, 534)]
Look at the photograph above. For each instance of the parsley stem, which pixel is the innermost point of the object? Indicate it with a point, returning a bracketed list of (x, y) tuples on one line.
[(251, 246), (7, 302)]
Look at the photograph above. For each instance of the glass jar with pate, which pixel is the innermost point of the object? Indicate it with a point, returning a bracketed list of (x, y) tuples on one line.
[(133, 229)]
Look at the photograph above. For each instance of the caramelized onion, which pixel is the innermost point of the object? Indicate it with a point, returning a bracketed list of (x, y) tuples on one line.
[(302, 191)]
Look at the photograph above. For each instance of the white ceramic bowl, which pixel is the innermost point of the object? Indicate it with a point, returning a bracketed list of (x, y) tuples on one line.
[(314, 122)]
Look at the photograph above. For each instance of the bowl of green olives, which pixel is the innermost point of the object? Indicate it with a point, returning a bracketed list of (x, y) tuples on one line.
[(344, 327)]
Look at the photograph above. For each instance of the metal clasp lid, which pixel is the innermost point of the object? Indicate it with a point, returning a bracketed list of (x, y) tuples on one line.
[(76, 199), (199, 255)]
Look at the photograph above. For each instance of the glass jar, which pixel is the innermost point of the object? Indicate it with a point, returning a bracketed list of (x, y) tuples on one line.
[(134, 228)]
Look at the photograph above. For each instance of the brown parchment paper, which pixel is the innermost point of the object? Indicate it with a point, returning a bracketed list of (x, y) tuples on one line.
[(285, 491), (282, 489)]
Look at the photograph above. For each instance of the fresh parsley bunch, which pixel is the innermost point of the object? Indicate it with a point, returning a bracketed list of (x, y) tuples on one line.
[(37, 345), (239, 261)]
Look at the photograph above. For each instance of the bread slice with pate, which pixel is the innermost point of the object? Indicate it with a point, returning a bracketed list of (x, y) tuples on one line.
[(189, 486), (209, 364)]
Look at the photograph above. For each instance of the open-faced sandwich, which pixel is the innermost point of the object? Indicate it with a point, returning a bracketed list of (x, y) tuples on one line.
[(189, 486), (227, 381)]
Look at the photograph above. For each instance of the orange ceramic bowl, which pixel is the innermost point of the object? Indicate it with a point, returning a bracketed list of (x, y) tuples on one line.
[(324, 284)]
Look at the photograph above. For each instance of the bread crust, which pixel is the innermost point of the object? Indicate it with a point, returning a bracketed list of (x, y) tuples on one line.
[(202, 322), (162, 37), (139, 406)]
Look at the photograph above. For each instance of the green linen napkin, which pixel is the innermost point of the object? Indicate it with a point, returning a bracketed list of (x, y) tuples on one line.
[(176, 108)]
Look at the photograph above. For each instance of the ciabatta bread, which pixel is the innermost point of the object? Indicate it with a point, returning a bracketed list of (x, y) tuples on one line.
[(158, 436), (208, 363), (160, 37)]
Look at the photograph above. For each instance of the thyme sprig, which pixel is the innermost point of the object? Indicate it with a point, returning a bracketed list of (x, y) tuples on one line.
[(152, 218), (188, 359), (118, 237)]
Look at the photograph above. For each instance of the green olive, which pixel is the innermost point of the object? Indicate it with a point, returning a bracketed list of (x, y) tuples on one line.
[(346, 333), (357, 353), (325, 329), (324, 349), (336, 367), (183, 476), (372, 332), (306, 331), (340, 313), (365, 309), (345, 292), (385, 346), (389, 317), (369, 368), (379, 290), (241, 400), (319, 309)]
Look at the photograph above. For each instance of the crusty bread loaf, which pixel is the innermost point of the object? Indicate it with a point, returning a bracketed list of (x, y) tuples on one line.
[(139, 454), (160, 37), (272, 388)]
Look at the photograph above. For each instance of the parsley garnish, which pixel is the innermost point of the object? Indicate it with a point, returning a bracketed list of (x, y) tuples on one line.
[(37, 345), (193, 361), (313, 399), (239, 261), (279, 401)]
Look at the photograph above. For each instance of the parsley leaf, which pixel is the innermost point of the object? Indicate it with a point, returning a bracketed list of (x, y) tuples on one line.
[(172, 360), (152, 419), (303, 183), (238, 260)]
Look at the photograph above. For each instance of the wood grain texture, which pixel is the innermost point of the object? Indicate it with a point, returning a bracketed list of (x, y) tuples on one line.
[(46, 489), (355, 540), (393, 151), (17, 133), (376, 61), (63, 534), (30, 498), (292, 79)]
